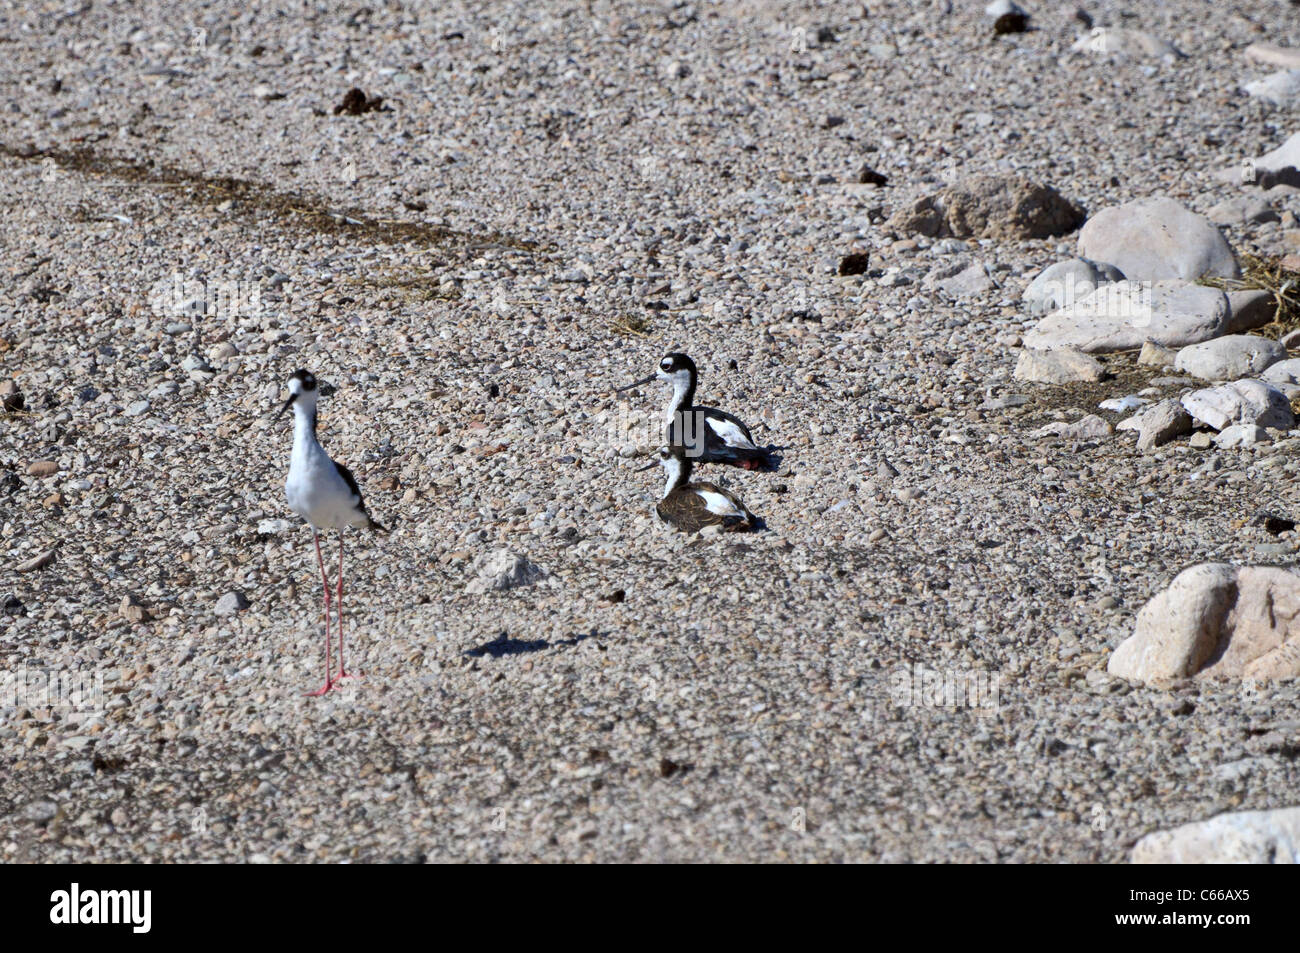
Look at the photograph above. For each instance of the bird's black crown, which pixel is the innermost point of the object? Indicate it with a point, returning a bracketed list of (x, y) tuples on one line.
[(306, 378), (674, 362)]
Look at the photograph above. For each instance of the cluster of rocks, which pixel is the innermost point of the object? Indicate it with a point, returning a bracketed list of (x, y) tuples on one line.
[(1138, 284), (1135, 286)]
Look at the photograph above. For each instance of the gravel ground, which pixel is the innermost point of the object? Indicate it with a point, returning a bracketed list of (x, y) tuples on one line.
[(543, 200)]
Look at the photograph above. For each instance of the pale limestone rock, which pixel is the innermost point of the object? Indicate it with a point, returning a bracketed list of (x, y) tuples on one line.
[(1285, 376), (1241, 402), (1240, 435), (1124, 315), (1061, 366), (1244, 837), (1216, 621), (1279, 89), (1230, 357), (1161, 423), (1242, 210), (1156, 239), (1248, 310), (1269, 54)]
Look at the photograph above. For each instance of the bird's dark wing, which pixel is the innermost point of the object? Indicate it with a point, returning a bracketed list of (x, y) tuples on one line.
[(707, 445), (351, 481), (685, 510)]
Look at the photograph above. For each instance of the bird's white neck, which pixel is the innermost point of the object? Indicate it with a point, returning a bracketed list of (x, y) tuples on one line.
[(304, 424), (676, 473), (681, 382)]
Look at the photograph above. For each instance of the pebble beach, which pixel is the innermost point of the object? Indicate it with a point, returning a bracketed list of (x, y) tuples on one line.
[(1024, 581)]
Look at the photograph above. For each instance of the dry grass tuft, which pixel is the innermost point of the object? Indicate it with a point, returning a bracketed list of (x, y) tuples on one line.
[(634, 325), (1266, 273)]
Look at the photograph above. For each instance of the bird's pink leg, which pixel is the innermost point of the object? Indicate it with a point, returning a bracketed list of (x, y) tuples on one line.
[(329, 681), (342, 671)]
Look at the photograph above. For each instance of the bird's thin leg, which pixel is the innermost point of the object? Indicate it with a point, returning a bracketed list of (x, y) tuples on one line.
[(320, 561), (339, 601)]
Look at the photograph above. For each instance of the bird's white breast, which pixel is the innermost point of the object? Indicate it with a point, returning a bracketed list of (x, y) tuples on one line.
[(317, 492)]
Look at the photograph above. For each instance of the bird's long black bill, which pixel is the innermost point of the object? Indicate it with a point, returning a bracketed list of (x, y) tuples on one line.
[(648, 466), (287, 404), (646, 380)]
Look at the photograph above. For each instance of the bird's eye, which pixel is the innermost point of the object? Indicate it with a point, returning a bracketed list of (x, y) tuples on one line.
[(666, 365)]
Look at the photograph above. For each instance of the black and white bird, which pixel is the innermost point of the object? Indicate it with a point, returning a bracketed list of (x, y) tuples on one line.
[(708, 434), (325, 494), (690, 507)]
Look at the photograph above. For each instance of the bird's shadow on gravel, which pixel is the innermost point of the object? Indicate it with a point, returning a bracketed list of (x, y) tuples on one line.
[(504, 645)]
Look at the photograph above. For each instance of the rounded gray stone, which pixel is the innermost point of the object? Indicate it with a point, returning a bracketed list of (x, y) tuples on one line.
[(1156, 239), (1230, 357), (1066, 282), (1124, 315)]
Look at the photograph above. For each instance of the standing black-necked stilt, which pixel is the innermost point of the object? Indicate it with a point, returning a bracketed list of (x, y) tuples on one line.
[(708, 434), (325, 494), (690, 507)]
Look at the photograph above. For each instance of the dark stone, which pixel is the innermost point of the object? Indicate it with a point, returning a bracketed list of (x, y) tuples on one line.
[(869, 176), (854, 264), (1011, 23)]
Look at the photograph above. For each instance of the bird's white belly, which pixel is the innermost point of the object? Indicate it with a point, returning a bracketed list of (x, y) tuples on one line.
[(319, 495), (717, 503)]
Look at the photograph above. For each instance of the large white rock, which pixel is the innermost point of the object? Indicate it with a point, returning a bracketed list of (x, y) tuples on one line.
[(1240, 435), (1124, 315), (1061, 366), (1280, 89), (1108, 40), (1285, 376), (1230, 357), (1159, 424), (1155, 239), (1216, 621), (1241, 402), (1066, 282), (1245, 837)]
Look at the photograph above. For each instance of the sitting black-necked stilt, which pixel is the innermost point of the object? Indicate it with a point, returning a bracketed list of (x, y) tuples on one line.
[(708, 434), (325, 494), (690, 507)]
